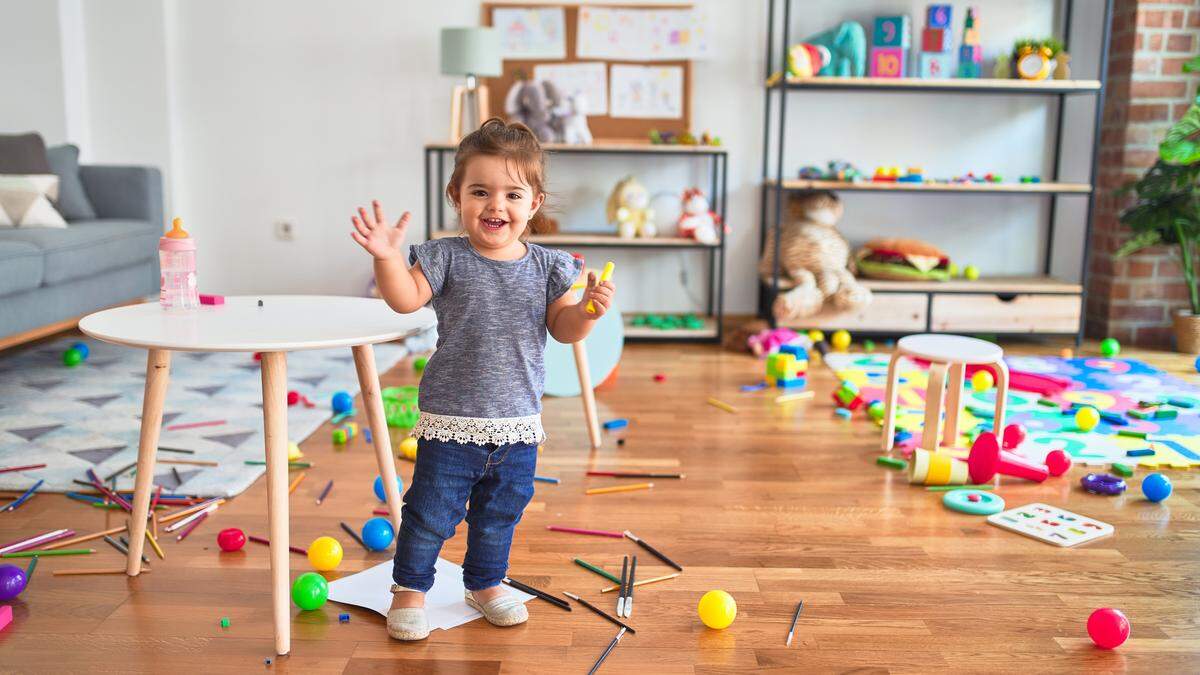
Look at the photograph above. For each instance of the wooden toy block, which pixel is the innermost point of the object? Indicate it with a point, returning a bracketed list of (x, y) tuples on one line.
[(972, 53), (935, 40), (970, 36), (939, 16), (968, 69), (888, 61), (891, 31), (935, 66)]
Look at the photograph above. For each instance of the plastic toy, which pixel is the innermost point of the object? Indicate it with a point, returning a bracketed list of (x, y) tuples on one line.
[(787, 369), (698, 221), (72, 357), (902, 259), (847, 45), (343, 618), (1103, 484), (889, 62), (1058, 462), (1156, 487), (970, 52), (628, 210), (840, 340), (377, 533), (768, 341), (971, 273), (224, 622), (987, 459), (717, 609), (340, 437), (210, 299), (419, 364), (1196, 364), (379, 487), (294, 451), (310, 591), (12, 581), (573, 119), (1108, 627), (408, 448), (1086, 418), (1121, 469), (973, 502), (846, 396), (325, 554), (935, 468), (400, 406), (231, 539), (619, 423), (1014, 434), (806, 60), (1109, 347), (82, 348), (982, 380), (342, 403)]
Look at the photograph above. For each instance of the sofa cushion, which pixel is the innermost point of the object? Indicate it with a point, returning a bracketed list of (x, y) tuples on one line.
[(23, 153), (20, 266), (73, 202), (27, 200), (89, 247)]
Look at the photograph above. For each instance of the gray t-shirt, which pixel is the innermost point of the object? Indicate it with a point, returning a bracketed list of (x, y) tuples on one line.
[(491, 327)]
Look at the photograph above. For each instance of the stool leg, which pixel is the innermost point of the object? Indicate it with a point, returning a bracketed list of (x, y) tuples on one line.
[(1001, 396), (589, 396), (158, 369), (368, 381), (953, 404), (933, 406), (889, 402), (274, 388)]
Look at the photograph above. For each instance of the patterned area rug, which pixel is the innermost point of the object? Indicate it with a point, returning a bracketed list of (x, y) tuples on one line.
[(1110, 385), (87, 416)]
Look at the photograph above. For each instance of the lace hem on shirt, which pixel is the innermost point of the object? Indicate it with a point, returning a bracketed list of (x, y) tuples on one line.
[(480, 430)]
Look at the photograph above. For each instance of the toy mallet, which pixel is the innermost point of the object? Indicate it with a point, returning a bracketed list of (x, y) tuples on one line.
[(605, 275)]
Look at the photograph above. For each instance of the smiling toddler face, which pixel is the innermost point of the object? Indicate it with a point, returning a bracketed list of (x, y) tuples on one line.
[(495, 203)]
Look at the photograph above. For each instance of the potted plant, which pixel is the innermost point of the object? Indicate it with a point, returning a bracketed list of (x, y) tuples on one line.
[(1167, 211)]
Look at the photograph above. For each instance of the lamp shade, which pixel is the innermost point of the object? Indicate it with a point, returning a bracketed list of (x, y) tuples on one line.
[(471, 51)]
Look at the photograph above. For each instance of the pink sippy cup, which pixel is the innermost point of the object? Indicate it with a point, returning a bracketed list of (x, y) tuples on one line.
[(177, 262)]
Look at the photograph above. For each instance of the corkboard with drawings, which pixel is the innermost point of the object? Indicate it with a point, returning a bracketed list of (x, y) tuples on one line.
[(603, 127)]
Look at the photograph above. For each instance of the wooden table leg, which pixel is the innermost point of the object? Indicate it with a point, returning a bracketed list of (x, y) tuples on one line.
[(1001, 396), (953, 404), (589, 397), (274, 388), (158, 369), (889, 402), (368, 381), (933, 406)]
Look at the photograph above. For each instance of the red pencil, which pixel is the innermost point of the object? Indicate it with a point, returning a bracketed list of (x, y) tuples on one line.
[(6, 469), (193, 425), (576, 530), (267, 542), (189, 528), (154, 502)]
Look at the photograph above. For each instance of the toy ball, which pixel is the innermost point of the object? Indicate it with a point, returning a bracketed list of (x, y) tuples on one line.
[(342, 403), (876, 410), (1058, 462), (377, 533), (310, 591), (339, 437), (325, 554), (1156, 487), (419, 364), (231, 539), (1196, 364), (868, 346), (294, 451), (952, 269), (293, 397), (717, 609), (12, 581), (982, 380), (1109, 347), (1108, 628), (1086, 418), (1013, 437), (72, 357), (82, 348), (840, 340), (816, 335), (971, 272), (408, 448), (379, 487)]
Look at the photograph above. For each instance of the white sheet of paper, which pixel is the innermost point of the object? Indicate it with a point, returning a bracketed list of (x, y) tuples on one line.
[(590, 78), (531, 33), (627, 34), (646, 92), (444, 604)]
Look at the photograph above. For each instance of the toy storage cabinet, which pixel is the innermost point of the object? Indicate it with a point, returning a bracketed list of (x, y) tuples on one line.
[(439, 155), (1040, 304)]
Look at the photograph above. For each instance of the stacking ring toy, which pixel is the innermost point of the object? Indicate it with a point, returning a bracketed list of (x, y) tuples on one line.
[(1103, 484), (985, 504)]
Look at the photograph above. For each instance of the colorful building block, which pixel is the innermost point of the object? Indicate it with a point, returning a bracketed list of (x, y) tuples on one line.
[(939, 16), (936, 40), (891, 31), (888, 62), (935, 66), (973, 53), (797, 350)]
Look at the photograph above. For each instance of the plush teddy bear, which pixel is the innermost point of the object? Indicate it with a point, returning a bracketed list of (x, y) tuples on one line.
[(697, 221), (813, 259), (532, 103), (573, 116), (629, 211)]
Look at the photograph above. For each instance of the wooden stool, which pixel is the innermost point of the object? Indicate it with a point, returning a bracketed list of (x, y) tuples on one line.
[(945, 353)]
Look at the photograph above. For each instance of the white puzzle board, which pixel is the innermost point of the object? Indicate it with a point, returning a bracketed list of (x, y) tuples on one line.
[(1051, 524)]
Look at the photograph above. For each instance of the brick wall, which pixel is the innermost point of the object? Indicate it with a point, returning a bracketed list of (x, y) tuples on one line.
[(1132, 298)]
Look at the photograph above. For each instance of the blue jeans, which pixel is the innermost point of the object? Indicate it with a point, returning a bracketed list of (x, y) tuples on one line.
[(498, 482)]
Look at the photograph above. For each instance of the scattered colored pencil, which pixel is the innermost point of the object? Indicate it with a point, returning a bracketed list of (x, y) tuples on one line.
[(189, 462), (296, 483), (948, 488), (653, 551), (84, 498), (325, 492), (184, 512), (629, 587), (61, 551), (599, 611), (795, 618), (82, 538), (291, 465), (154, 544), (267, 542), (784, 398), (195, 523), (121, 548), (557, 602), (108, 570), (180, 450), (635, 474), (6, 469), (643, 582), (195, 425), (157, 496), (33, 566), (576, 530), (14, 505), (108, 493), (607, 650), (184, 522), (178, 478), (598, 570), (624, 585), (722, 405), (545, 479), (618, 488), (381, 512), (119, 471), (354, 535), (35, 541)]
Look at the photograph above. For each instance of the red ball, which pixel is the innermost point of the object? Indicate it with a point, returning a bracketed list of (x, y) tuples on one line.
[(1058, 462), (231, 539), (293, 397), (1108, 628), (1014, 436), (660, 377)]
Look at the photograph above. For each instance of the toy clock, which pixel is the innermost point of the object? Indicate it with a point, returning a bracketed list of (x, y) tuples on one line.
[(1034, 63)]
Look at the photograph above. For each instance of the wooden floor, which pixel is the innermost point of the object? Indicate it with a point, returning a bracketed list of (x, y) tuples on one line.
[(780, 503)]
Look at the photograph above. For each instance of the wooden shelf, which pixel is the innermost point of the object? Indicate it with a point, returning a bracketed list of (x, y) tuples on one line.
[(943, 85), (615, 147), (1002, 285), (647, 332), (601, 240), (964, 188)]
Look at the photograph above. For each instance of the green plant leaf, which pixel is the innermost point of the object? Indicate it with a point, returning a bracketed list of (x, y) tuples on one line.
[(1138, 242), (1193, 65), (1181, 145)]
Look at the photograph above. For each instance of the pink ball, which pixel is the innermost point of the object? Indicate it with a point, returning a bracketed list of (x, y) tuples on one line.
[(1108, 628), (231, 539), (1058, 462), (1014, 436)]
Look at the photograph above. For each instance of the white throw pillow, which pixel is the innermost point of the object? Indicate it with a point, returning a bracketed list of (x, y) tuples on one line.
[(25, 201)]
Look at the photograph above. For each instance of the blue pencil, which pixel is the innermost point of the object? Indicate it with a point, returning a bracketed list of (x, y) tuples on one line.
[(546, 479), (25, 497), (85, 498)]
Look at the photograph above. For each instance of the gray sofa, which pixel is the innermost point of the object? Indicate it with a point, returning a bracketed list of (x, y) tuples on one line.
[(51, 275)]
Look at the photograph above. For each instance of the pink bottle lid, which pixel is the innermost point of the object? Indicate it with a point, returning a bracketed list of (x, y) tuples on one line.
[(177, 238)]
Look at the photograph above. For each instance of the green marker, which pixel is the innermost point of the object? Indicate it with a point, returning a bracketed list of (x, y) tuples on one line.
[(592, 568)]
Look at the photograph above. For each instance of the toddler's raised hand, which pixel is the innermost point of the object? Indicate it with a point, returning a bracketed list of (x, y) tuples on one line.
[(372, 232), (599, 294)]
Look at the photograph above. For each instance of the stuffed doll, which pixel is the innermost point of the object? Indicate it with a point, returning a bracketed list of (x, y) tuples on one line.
[(697, 221), (629, 211), (573, 114), (813, 259), (531, 103)]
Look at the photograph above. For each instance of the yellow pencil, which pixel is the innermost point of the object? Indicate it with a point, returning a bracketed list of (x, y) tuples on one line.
[(722, 405), (605, 275), (644, 581), (292, 487), (619, 488), (154, 543), (794, 397)]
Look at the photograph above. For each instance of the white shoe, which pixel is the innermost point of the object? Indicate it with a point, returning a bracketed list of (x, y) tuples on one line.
[(505, 610), (408, 623)]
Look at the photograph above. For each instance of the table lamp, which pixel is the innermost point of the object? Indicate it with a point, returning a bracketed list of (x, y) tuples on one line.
[(474, 52)]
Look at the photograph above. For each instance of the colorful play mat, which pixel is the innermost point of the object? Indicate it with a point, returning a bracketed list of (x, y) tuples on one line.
[(1109, 385)]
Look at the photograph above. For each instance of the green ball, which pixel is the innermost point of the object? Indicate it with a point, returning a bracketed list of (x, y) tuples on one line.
[(310, 591), (1109, 347), (868, 345), (952, 269), (72, 357), (419, 364), (339, 437), (971, 272)]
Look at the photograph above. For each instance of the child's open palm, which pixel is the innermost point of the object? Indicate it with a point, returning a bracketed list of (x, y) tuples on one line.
[(374, 234)]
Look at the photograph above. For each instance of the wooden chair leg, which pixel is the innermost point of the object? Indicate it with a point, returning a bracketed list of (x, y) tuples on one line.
[(368, 381), (158, 369), (933, 406), (954, 391), (889, 402), (274, 388), (589, 396), (1001, 396)]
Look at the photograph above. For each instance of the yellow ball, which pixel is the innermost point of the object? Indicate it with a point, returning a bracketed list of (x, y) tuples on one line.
[(971, 273), (294, 451), (325, 554), (408, 448), (840, 340), (1086, 418), (982, 380), (816, 335), (717, 609)]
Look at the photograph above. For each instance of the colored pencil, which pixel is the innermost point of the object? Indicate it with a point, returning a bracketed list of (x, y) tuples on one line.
[(354, 535), (722, 405), (635, 474), (599, 611), (598, 570), (108, 570), (189, 462), (624, 580), (181, 450), (61, 551), (84, 498), (86, 537), (653, 551), (121, 548), (291, 465), (111, 506), (380, 512), (177, 476), (325, 492), (108, 493), (545, 479), (187, 511), (157, 496), (948, 488), (557, 602), (784, 398), (618, 488), (12, 506), (296, 483), (576, 530), (195, 425), (643, 582), (6, 469), (35, 541), (31, 567), (154, 544), (267, 542), (125, 543), (607, 650), (184, 522), (795, 618), (119, 471), (195, 523), (629, 587)]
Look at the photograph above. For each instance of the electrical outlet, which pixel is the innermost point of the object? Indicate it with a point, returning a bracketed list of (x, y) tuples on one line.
[(285, 230)]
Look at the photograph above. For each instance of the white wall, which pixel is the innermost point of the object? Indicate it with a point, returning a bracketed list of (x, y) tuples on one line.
[(31, 70)]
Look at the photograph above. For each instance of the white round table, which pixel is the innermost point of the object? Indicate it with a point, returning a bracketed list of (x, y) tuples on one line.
[(272, 325)]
